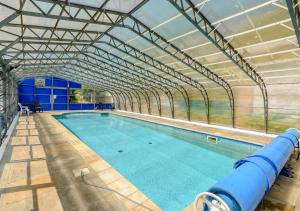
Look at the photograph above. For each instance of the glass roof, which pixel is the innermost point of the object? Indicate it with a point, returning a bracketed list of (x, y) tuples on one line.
[(50, 36)]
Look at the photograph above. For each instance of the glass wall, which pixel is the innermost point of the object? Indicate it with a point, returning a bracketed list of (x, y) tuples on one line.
[(8, 102)]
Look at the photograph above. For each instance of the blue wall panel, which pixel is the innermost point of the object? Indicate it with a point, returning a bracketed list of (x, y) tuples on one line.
[(87, 106), (60, 106), (60, 91), (46, 107), (27, 81), (104, 106), (107, 106), (48, 81), (45, 91), (75, 106), (74, 85), (26, 89), (28, 94), (42, 98), (26, 99), (61, 99), (60, 83)]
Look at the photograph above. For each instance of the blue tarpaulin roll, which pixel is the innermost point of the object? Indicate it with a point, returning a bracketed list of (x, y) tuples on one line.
[(253, 176)]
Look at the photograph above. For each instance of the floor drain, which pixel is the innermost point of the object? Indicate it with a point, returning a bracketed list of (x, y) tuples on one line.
[(150, 143), (120, 150)]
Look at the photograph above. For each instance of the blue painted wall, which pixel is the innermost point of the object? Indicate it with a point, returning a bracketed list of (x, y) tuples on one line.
[(29, 93)]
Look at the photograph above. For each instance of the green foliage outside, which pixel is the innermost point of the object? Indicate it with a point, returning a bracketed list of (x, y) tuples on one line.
[(220, 114), (86, 94)]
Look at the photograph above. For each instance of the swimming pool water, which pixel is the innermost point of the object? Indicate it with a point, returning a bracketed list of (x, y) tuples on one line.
[(169, 165)]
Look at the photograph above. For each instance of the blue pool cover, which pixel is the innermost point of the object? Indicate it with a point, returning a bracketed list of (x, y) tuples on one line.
[(253, 176)]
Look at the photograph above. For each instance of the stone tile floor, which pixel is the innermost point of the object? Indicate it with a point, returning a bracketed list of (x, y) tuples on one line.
[(37, 172)]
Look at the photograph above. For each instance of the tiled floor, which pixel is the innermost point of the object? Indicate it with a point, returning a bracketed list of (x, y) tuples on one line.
[(26, 183), (37, 172), (40, 165)]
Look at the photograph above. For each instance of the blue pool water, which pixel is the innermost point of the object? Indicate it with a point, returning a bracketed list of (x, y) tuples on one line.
[(169, 165)]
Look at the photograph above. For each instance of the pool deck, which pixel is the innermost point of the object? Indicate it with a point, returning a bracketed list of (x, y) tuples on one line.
[(40, 170)]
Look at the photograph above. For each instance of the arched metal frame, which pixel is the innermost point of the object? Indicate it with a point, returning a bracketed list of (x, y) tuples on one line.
[(154, 91), (87, 60), (118, 91), (121, 90), (124, 101), (138, 99), (77, 56), (145, 58), (145, 94), (157, 79), (114, 98), (128, 21), (123, 83), (211, 33), (153, 76), (135, 53), (118, 22)]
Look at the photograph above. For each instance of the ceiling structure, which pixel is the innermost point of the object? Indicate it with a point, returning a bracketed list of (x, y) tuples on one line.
[(155, 45)]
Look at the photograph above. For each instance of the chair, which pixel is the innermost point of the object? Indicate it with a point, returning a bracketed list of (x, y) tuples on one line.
[(37, 107), (24, 109)]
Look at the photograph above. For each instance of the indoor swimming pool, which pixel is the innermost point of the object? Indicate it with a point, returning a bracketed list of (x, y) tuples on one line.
[(168, 164)]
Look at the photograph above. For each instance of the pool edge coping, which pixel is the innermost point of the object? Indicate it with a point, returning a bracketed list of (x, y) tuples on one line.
[(120, 113)]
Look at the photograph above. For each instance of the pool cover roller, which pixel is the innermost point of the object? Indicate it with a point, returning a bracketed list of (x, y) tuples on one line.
[(252, 177)]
